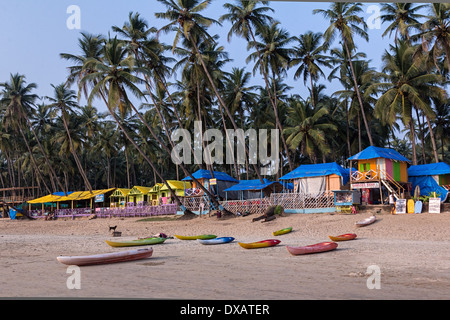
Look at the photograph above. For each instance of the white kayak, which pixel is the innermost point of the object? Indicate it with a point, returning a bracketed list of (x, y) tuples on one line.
[(105, 258), (366, 221)]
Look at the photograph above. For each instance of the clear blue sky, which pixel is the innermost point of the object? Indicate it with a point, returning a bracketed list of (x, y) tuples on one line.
[(34, 33)]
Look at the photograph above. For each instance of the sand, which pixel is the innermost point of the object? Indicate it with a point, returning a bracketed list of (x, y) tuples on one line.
[(411, 251)]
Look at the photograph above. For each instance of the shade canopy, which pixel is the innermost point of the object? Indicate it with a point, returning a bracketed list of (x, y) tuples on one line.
[(72, 196)]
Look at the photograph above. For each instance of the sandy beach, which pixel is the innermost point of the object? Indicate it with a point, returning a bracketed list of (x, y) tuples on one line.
[(411, 251)]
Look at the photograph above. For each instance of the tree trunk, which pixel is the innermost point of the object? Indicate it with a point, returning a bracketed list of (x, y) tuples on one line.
[(358, 93), (413, 141), (272, 100), (222, 104)]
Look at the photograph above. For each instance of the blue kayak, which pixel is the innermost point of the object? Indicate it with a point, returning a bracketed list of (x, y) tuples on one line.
[(216, 240)]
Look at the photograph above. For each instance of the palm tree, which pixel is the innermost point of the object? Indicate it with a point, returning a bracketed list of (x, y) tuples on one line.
[(64, 100), (307, 130), (91, 48), (246, 17), (308, 56), (17, 99), (345, 18), (442, 124), (273, 55), (186, 20), (403, 18), (436, 32), (408, 85)]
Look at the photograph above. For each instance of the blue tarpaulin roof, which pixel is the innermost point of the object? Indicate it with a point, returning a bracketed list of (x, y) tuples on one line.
[(431, 169), (252, 185), (317, 170), (206, 174), (61, 194), (376, 152)]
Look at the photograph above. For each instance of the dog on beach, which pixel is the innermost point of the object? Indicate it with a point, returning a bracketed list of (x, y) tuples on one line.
[(113, 229)]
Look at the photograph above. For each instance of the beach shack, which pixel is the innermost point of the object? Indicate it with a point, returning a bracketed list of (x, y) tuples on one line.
[(253, 189), (160, 193), (74, 203), (216, 185), (379, 169), (138, 196), (119, 198), (433, 177), (316, 179)]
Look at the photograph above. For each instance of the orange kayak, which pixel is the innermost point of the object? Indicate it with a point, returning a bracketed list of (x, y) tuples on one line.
[(343, 237), (315, 248)]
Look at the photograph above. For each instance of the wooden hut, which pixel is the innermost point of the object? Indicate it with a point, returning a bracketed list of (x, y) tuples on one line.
[(119, 198), (138, 195), (160, 193), (378, 169)]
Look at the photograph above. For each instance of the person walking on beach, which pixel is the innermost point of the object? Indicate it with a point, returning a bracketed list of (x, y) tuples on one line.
[(392, 203)]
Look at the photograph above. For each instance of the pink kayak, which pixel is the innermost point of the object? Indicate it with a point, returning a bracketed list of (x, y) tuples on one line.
[(315, 248)]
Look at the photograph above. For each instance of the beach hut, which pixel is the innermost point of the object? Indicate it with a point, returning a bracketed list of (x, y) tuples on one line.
[(216, 185), (119, 198), (315, 179), (433, 177), (253, 189), (160, 193), (376, 168), (138, 195)]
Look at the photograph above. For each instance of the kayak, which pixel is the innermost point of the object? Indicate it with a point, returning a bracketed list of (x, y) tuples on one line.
[(201, 237), (260, 244), (282, 231), (343, 237), (132, 243), (315, 248), (366, 221), (105, 258), (216, 240)]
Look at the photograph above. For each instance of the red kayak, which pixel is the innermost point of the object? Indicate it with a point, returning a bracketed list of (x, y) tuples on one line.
[(343, 237), (315, 248)]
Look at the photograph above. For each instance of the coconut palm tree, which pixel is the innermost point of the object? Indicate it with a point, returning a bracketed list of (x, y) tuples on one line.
[(17, 99), (403, 18), (435, 33), (307, 130), (308, 56), (408, 85), (64, 100), (345, 19), (186, 20)]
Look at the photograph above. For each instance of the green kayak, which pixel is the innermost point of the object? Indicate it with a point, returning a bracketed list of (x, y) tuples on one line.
[(139, 242)]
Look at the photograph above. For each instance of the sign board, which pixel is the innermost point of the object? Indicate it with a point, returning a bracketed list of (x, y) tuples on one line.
[(400, 206), (434, 206), (99, 198), (367, 185), (213, 182)]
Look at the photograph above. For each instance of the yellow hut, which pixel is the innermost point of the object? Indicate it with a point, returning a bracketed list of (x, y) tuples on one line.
[(138, 195), (160, 193), (119, 198)]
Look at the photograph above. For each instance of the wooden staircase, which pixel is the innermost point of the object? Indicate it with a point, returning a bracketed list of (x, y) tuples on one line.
[(392, 186)]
